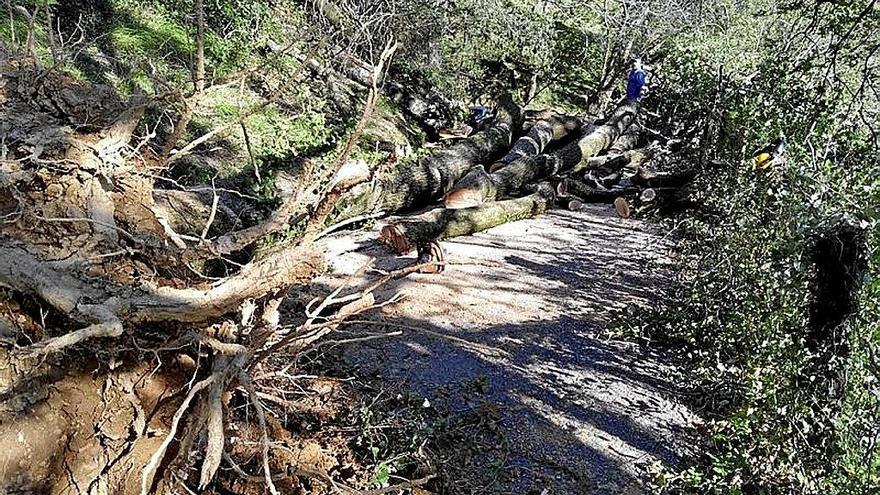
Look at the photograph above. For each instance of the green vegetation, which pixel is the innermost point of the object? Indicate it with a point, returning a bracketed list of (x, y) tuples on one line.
[(790, 370), (782, 359)]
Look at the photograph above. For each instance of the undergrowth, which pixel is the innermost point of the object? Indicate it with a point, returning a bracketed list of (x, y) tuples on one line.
[(774, 313)]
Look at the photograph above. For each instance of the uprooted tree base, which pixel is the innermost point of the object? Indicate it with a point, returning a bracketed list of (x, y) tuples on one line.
[(91, 427), (87, 253)]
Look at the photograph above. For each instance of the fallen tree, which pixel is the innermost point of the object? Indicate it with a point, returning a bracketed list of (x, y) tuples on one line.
[(551, 127), (443, 223), (419, 183), (512, 179), (631, 159), (631, 139), (569, 190)]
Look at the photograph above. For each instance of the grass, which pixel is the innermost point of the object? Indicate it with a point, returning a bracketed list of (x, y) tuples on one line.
[(19, 26), (154, 34)]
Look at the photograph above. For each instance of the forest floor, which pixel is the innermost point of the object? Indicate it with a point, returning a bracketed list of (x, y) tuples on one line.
[(520, 316)]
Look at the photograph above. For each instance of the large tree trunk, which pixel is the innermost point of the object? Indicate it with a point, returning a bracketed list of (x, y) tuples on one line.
[(569, 189), (513, 178), (419, 183), (631, 139), (626, 164), (443, 223), (616, 161), (551, 127)]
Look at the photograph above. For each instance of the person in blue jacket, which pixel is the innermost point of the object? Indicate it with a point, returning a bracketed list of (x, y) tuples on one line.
[(635, 81)]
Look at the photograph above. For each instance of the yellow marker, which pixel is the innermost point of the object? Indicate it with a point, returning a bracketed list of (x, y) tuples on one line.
[(768, 155), (762, 161)]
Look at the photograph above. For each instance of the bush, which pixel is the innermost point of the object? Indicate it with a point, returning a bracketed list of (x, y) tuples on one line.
[(777, 313)]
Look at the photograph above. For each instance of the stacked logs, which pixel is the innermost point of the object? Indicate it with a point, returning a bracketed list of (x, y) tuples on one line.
[(606, 161)]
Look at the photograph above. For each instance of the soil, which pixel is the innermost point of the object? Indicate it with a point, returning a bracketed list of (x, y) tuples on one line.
[(520, 314)]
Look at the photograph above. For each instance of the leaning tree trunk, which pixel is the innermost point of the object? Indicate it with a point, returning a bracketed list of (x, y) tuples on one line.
[(442, 223), (512, 179), (419, 183), (551, 127)]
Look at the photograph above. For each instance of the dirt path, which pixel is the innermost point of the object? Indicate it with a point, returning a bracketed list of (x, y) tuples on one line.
[(581, 414)]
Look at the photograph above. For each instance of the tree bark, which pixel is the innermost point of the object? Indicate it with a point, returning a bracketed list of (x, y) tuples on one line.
[(419, 183), (572, 194), (572, 189), (631, 160), (326, 204), (200, 47), (50, 32), (631, 139), (425, 105), (444, 223), (669, 179), (91, 304), (551, 128), (513, 178)]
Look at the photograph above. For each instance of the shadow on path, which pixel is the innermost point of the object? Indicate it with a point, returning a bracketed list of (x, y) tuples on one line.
[(521, 312)]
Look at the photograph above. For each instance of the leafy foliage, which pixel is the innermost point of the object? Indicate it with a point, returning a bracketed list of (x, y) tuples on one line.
[(789, 379)]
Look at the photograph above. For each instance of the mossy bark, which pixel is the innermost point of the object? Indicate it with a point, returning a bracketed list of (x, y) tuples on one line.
[(631, 159), (551, 127), (421, 182), (513, 179), (444, 223), (631, 139)]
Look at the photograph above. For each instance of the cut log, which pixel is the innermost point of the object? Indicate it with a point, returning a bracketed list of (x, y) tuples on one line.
[(443, 223), (579, 190), (631, 160), (588, 194), (551, 127), (582, 191), (621, 205), (631, 139), (419, 183), (513, 178)]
